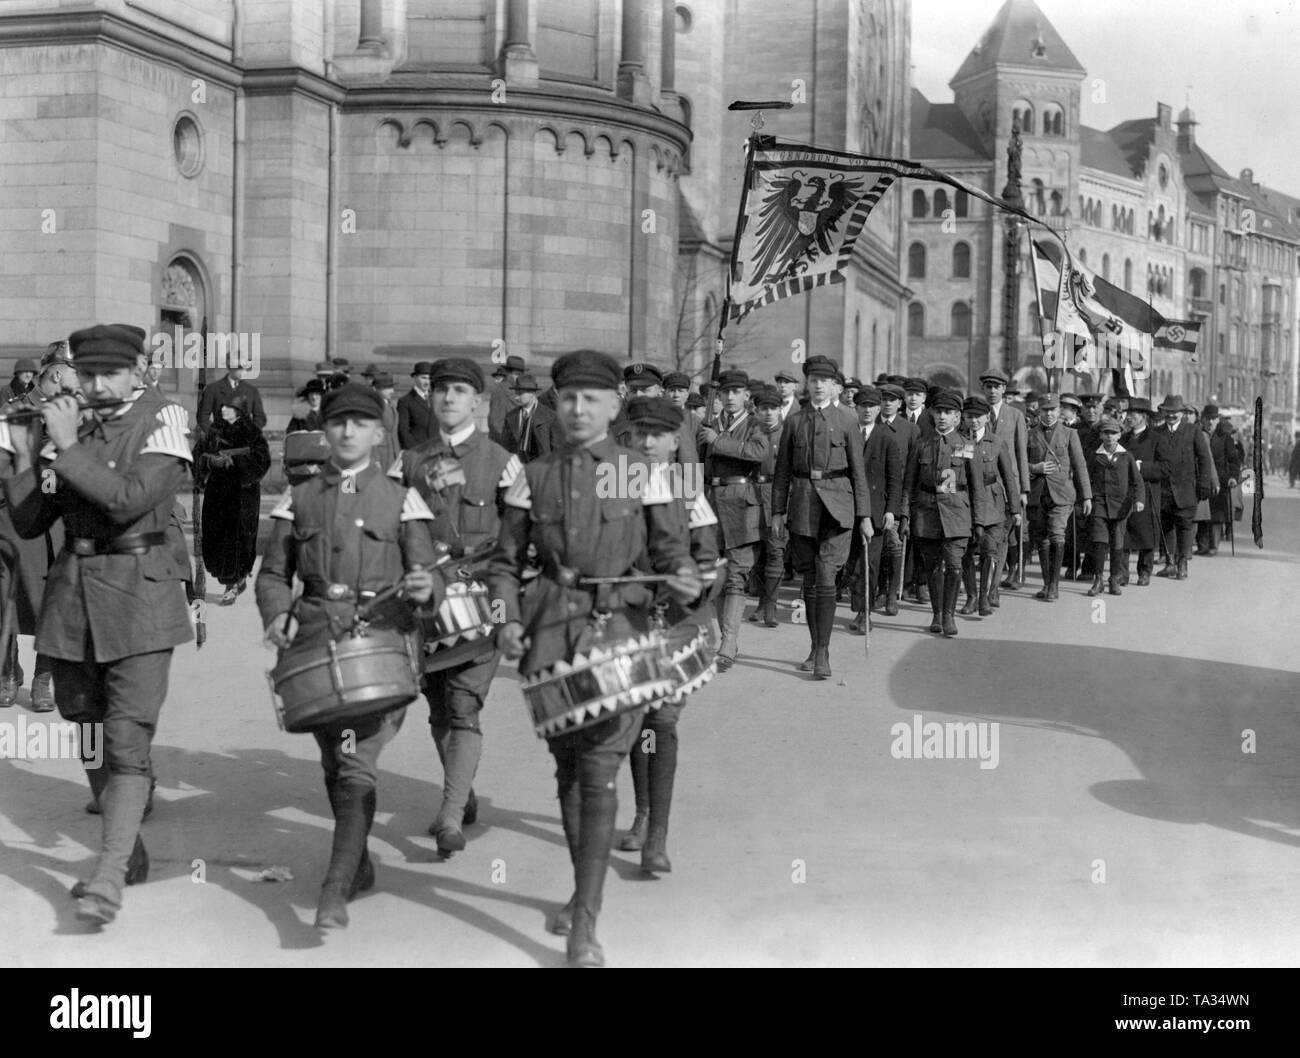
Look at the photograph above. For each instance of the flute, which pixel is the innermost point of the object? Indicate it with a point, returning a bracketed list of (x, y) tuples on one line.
[(31, 412)]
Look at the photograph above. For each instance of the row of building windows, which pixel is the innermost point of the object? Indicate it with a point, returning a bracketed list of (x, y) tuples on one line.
[(921, 203), (960, 261), (1050, 121), (959, 320)]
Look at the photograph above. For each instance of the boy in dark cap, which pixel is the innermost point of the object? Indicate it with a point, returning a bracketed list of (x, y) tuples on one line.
[(935, 492), (771, 557), (822, 484), (994, 502), (734, 448), (1142, 530), (1116, 490), (578, 529), (883, 463), (461, 474), (677, 387), (114, 607), (347, 534)]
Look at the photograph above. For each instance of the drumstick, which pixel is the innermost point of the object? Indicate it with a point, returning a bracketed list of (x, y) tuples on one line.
[(654, 578)]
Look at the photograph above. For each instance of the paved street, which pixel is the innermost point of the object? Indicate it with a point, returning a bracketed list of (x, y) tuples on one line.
[(797, 838)]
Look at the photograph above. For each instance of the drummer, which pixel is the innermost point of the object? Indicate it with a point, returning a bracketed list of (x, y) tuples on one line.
[(655, 424), (461, 474), (347, 533), (562, 504)]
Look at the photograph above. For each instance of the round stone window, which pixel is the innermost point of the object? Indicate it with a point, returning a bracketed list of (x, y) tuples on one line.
[(187, 145)]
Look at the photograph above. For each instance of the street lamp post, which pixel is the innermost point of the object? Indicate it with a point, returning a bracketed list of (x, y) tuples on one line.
[(970, 347)]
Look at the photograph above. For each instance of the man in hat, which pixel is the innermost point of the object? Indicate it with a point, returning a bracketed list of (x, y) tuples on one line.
[(882, 461), (114, 607), (24, 378), (347, 533), (1207, 540), (849, 391), (771, 559), (1008, 424), (1032, 403), (787, 385), (1058, 475), (216, 394), (937, 495), (646, 380), (386, 448), (1183, 456), (1071, 409), (1227, 464), (530, 430), (501, 397), (915, 392), (994, 503), (893, 578), (580, 530), (1089, 440), (1142, 530), (1116, 490), (734, 449), (677, 387), (415, 420), (461, 475), (822, 485)]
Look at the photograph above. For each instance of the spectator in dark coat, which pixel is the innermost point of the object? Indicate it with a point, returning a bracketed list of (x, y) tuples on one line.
[(218, 394), (501, 399), (310, 419), (530, 430), (415, 421), (1185, 468), (1227, 463)]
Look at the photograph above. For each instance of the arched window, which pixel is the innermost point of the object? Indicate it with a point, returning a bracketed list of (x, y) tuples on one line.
[(1057, 203), (961, 261), (962, 203), (1083, 256), (916, 319), (1024, 113), (940, 202), (1053, 120), (1105, 267), (918, 203), (1128, 275), (916, 261), (1114, 218), (960, 320)]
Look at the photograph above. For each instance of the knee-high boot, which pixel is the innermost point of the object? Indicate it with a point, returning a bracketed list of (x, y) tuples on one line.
[(345, 857), (935, 586), (810, 614), (122, 802), (1056, 547), (968, 582), (1049, 562), (570, 797), (663, 770), (464, 747), (825, 625), (988, 582), (730, 609), (768, 607), (596, 830), (951, 586), (639, 759), (1123, 567)]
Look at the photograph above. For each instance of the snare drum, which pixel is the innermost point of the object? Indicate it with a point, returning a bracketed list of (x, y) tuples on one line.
[(689, 660), (610, 679), (345, 680), (461, 631)]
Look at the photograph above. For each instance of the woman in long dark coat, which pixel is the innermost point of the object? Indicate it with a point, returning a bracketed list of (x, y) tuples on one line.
[(1227, 461), (1142, 531), (231, 460)]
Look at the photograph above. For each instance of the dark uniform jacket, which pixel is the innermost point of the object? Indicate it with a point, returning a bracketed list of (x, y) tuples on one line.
[(738, 452), (534, 438), (1116, 483), (882, 461), (1057, 489), (936, 486), (829, 445), (558, 507), (364, 540), (415, 421), (1011, 426), (1184, 460), (1143, 527), (119, 480), (217, 393), (466, 514), (993, 481)]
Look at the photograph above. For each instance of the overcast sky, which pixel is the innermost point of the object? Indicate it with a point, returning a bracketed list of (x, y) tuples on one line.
[(1240, 57)]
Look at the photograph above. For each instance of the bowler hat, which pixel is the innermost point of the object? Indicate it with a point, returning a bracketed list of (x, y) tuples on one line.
[(1141, 404), (1211, 411), (381, 380), (422, 367), (516, 363)]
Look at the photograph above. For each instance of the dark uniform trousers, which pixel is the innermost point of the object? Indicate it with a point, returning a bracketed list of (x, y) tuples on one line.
[(771, 555), (993, 483), (556, 507), (466, 515), (110, 619)]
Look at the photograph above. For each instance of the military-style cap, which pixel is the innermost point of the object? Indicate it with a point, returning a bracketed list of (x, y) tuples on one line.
[(654, 414), (586, 369), (57, 353), (352, 399), (821, 367), (994, 375), (733, 379), (975, 405), (1091, 398), (381, 380), (1109, 425), (787, 376), (765, 397), (891, 391), (106, 345), (946, 400), (915, 385), (867, 395), (1069, 400), (26, 364), (851, 383), (638, 375), (677, 380), (1049, 402), (457, 369), (525, 383), (422, 367)]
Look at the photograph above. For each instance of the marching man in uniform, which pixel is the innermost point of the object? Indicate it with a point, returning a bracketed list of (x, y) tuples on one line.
[(767, 409), (579, 530), (459, 473), (993, 494), (1058, 474), (347, 533), (821, 491), (114, 605)]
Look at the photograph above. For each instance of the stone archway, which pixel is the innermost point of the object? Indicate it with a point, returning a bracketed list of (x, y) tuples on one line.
[(182, 307)]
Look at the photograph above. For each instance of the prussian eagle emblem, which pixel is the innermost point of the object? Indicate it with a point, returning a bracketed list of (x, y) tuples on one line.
[(797, 222)]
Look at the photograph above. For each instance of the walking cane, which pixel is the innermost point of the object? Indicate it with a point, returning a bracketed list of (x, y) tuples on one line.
[(902, 565)]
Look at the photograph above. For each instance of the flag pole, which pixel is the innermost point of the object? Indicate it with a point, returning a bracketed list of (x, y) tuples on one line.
[(1038, 299)]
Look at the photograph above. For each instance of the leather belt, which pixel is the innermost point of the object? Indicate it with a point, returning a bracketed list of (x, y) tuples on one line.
[(715, 482), (131, 544), (823, 475), (336, 593)]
